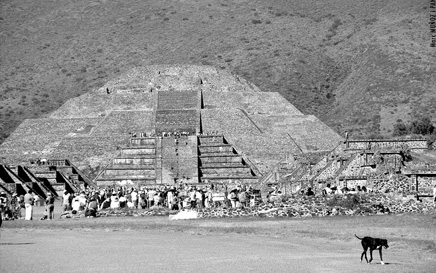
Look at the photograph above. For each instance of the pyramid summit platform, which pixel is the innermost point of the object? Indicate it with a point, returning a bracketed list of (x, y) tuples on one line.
[(227, 129)]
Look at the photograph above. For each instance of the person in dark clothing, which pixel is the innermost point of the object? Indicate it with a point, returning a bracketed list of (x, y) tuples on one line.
[(310, 192), (49, 206), (91, 209)]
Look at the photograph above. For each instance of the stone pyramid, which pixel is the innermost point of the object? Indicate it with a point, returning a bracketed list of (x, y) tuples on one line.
[(96, 129)]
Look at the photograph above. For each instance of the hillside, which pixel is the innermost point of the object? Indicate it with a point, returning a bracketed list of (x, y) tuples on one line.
[(358, 65)]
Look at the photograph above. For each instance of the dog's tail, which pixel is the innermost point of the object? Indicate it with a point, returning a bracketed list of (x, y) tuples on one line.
[(357, 237)]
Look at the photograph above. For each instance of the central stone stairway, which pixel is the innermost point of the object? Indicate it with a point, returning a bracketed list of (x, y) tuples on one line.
[(135, 165), (219, 162)]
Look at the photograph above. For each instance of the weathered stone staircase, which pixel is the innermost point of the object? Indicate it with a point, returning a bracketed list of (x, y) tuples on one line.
[(135, 165), (59, 174), (219, 162)]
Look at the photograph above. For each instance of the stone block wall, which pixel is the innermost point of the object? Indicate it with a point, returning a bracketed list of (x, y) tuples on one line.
[(424, 183), (402, 184)]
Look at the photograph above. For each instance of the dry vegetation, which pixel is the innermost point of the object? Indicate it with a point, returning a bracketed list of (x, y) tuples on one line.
[(358, 65)]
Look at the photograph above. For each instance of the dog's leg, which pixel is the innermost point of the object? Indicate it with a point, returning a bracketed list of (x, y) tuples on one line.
[(365, 248), (370, 253), (381, 258)]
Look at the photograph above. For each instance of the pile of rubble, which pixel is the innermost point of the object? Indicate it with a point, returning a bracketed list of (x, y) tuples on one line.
[(302, 206)]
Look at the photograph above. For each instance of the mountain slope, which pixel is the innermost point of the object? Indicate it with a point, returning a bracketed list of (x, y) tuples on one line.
[(358, 65)]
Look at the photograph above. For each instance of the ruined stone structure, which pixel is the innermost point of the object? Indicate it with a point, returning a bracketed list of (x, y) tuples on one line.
[(252, 131), (377, 164), (52, 176)]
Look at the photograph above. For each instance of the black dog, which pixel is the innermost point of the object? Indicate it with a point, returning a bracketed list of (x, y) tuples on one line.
[(372, 243)]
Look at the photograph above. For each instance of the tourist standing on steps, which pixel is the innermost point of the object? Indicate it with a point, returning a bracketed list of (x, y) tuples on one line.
[(28, 204)]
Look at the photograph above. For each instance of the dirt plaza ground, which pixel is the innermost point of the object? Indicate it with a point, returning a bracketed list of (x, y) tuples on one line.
[(155, 244)]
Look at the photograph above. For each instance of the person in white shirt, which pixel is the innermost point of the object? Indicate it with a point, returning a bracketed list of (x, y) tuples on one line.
[(115, 201), (151, 194), (76, 205), (134, 195), (65, 201), (169, 199)]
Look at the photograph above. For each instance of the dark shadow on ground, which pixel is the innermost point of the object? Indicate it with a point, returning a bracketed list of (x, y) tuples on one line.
[(15, 244)]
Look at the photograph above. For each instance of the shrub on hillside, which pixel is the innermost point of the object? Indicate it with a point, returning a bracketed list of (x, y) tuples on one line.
[(431, 141), (400, 129), (423, 126)]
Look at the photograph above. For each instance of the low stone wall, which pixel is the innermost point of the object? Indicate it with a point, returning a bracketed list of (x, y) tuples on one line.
[(370, 204), (371, 144), (399, 183)]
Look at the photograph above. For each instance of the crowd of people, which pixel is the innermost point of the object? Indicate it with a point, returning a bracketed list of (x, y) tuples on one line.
[(90, 201), (330, 190), (172, 198)]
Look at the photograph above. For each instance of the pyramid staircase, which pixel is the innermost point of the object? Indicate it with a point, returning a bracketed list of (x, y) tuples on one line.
[(12, 182), (134, 165), (60, 174), (220, 162), (26, 175)]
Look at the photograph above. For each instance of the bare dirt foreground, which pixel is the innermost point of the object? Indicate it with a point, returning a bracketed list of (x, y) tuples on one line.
[(155, 244)]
